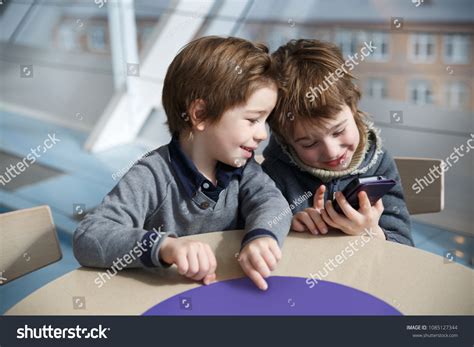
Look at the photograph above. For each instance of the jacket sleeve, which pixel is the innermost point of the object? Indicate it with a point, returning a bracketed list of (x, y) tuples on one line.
[(260, 202), (270, 167), (114, 232), (395, 219)]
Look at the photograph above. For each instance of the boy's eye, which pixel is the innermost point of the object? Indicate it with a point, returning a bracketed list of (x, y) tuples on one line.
[(254, 121), (339, 132), (311, 145)]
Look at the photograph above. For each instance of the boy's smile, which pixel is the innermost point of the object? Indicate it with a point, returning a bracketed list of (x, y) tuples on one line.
[(331, 148), (248, 151), (338, 161)]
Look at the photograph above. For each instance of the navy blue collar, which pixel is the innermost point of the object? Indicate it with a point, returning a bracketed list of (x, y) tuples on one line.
[(192, 179)]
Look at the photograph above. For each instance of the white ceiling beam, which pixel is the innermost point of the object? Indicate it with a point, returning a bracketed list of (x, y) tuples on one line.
[(129, 108)]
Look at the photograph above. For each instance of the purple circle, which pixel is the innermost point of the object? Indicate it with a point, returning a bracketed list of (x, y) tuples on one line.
[(287, 296)]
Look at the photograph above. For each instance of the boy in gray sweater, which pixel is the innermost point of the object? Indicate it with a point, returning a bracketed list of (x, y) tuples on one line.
[(321, 142), (217, 95)]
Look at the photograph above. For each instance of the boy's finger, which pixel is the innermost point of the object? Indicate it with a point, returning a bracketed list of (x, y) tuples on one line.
[(318, 198), (346, 208), (275, 249), (259, 264), (253, 274), (269, 258), (296, 225), (212, 260), (182, 264), (308, 222), (211, 278), (336, 217), (318, 220), (379, 205), (193, 264), (203, 265), (327, 219), (364, 202), (331, 217)]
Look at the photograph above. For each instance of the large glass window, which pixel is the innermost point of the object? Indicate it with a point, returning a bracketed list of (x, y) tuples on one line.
[(347, 41), (377, 88), (381, 40), (420, 92), (422, 48), (457, 49), (456, 96)]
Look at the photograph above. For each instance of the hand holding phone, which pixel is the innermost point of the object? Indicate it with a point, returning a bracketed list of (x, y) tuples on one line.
[(375, 187), (356, 219)]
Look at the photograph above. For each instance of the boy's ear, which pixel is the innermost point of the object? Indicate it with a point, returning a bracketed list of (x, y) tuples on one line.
[(197, 111)]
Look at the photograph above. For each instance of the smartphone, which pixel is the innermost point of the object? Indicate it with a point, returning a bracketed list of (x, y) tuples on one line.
[(374, 186)]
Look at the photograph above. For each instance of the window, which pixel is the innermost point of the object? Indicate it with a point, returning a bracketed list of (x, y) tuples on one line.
[(420, 92), (377, 88), (68, 38), (381, 41), (422, 48), (456, 96), (96, 39), (456, 49), (347, 42)]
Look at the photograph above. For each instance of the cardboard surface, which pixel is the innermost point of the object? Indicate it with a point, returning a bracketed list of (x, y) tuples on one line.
[(408, 279), (28, 241)]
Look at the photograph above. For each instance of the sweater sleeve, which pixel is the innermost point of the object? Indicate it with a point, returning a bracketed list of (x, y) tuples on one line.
[(395, 219), (260, 201), (114, 232)]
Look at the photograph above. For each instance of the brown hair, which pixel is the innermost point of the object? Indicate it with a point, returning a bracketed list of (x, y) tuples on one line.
[(304, 65), (223, 72)]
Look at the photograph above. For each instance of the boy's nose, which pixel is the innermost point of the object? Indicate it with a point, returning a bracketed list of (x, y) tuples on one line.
[(331, 151), (261, 134)]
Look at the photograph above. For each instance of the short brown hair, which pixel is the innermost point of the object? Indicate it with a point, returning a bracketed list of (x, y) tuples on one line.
[(304, 64), (223, 72)]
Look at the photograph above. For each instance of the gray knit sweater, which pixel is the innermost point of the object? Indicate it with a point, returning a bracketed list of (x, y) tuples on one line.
[(149, 203)]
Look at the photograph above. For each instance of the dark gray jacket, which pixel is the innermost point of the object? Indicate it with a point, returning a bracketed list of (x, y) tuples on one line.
[(294, 182)]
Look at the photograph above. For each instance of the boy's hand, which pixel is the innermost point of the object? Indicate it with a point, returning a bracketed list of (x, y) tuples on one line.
[(354, 222), (310, 218), (258, 258), (194, 259)]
